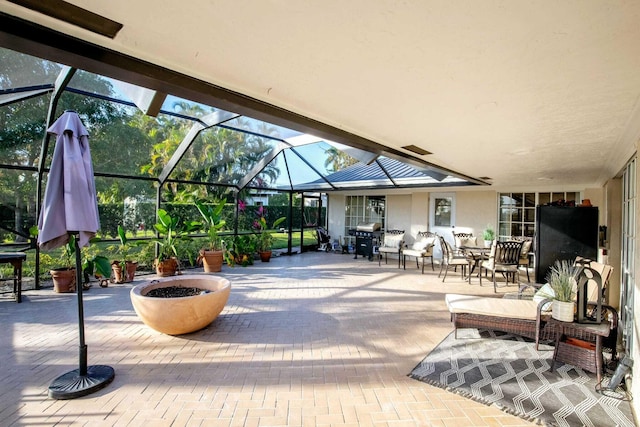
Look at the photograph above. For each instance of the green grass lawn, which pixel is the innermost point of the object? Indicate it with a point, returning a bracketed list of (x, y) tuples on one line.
[(280, 240)]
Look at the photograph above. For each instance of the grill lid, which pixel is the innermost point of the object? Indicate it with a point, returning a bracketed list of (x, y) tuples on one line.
[(368, 226)]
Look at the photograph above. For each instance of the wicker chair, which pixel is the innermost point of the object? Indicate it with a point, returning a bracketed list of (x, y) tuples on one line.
[(422, 248), (451, 259), (504, 258), (392, 243)]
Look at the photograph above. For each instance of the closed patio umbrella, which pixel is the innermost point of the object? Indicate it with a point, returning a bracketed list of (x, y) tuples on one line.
[(70, 208)]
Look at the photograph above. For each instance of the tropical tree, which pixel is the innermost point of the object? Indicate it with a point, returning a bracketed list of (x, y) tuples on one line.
[(23, 126), (337, 160), (218, 157)]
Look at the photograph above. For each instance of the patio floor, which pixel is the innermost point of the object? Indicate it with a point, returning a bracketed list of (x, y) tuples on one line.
[(318, 339)]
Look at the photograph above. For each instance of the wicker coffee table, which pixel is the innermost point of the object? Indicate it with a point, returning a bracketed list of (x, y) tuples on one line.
[(575, 344)]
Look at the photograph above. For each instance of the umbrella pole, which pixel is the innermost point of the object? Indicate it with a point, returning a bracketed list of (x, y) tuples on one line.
[(86, 379), (82, 369)]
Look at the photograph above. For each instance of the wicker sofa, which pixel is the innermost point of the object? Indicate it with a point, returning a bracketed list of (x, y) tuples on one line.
[(523, 317)]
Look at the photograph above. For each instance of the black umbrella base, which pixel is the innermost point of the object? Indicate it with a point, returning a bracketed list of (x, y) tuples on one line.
[(72, 384)]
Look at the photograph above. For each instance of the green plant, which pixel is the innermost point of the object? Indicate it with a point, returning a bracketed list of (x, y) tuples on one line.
[(146, 255), (93, 263), (171, 230), (240, 250), (488, 233), (124, 249), (213, 222), (264, 239), (67, 257), (563, 279)]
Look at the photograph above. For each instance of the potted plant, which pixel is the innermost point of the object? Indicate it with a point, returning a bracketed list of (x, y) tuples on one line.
[(488, 235), (124, 269), (264, 238), (211, 256), (563, 280), (64, 277), (171, 230)]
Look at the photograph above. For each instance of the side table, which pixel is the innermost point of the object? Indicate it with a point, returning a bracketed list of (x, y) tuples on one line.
[(15, 259), (580, 344)]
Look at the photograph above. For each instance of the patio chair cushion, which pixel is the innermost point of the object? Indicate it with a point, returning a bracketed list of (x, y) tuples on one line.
[(423, 243), (393, 241), (545, 292), (497, 307), (466, 241), (524, 252)]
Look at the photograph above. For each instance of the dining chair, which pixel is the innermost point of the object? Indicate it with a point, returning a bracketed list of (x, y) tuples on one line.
[(503, 258), (464, 239), (527, 244), (451, 259)]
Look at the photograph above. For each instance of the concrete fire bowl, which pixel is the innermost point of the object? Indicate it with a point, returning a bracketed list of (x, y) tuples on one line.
[(175, 316)]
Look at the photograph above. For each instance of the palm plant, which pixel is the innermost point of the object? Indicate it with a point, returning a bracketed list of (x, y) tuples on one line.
[(171, 230), (213, 222)]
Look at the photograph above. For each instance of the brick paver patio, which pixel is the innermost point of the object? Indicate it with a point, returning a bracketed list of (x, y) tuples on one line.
[(317, 339)]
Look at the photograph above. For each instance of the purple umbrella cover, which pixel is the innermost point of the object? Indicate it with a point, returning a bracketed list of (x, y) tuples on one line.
[(70, 202)]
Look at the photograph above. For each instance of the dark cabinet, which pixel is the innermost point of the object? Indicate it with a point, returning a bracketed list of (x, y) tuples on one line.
[(562, 233)]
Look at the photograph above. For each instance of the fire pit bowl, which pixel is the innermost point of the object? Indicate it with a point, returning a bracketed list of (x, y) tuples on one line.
[(181, 315)]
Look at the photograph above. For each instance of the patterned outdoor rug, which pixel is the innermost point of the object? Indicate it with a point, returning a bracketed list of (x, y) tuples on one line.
[(507, 371)]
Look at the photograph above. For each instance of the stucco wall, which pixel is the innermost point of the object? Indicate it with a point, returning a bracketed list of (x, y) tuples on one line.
[(419, 215), (474, 210), (398, 212), (335, 215)]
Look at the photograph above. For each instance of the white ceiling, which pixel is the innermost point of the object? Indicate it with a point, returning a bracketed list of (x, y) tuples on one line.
[(541, 93)]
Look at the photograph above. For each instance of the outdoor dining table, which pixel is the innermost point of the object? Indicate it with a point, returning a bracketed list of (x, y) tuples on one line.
[(475, 255), (15, 259)]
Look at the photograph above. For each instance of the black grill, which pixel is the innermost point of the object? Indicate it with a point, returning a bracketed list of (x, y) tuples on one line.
[(367, 237)]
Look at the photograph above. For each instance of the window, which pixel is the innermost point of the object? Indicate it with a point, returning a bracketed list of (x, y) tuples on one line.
[(517, 211), (363, 209), (442, 212)]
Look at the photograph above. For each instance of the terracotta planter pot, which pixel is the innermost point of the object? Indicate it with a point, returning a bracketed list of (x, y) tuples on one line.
[(175, 316), (265, 256), (129, 273), (116, 269), (64, 279), (166, 268), (131, 267), (211, 261)]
